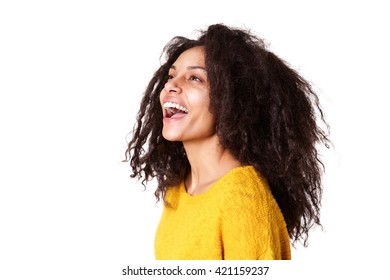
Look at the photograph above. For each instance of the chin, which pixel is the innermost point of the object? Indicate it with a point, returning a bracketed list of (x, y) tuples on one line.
[(171, 137)]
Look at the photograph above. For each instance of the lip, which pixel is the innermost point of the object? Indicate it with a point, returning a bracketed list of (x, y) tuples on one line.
[(175, 117), (173, 100)]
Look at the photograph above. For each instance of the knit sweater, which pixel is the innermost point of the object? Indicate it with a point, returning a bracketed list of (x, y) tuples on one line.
[(237, 218)]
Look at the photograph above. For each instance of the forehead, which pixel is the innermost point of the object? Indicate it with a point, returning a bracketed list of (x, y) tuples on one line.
[(191, 57)]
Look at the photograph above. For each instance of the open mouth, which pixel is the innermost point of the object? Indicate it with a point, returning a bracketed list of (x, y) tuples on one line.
[(174, 110)]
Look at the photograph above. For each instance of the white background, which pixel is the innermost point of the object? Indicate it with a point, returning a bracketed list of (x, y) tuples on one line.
[(71, 77)]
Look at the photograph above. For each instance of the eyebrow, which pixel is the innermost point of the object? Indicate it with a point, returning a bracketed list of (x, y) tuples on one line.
[(190, 67)]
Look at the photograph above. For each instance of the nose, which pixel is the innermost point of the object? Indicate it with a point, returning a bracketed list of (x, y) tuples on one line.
[(172, 86)]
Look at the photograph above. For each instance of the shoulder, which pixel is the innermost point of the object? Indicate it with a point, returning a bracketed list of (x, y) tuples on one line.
[(246, 181), (245, 190), (252, 224)]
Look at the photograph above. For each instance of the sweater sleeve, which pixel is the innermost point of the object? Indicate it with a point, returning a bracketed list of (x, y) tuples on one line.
[(252, 226)]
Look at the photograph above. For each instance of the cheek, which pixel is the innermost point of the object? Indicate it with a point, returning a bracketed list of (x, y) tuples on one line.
[(206, 119), (202, 102), (161, 97), (210, 121), (199, 99), (207, 113)]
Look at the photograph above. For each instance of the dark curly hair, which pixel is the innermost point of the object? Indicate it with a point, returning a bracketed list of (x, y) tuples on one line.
[(273, 123)]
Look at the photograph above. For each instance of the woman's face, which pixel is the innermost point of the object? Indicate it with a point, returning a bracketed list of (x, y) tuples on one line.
[(185, 99)]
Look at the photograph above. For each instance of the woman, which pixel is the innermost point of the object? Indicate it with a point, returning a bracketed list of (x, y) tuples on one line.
[(230, 133)]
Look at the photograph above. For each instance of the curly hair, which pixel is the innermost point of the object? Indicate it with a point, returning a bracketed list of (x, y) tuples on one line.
[(272, 114)]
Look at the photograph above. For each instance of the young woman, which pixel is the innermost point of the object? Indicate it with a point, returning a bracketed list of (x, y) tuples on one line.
[(231, 134)]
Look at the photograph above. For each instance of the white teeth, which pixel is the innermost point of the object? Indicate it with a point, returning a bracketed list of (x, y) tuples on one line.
[(174, 105)]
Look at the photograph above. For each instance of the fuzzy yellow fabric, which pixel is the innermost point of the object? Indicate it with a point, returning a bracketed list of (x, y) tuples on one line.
[(236, 219)]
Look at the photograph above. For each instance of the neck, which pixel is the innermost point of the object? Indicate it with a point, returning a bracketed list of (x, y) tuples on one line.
[(209, 161)]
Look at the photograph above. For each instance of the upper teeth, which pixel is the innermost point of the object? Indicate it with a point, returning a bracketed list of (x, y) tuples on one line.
[(174, 105)]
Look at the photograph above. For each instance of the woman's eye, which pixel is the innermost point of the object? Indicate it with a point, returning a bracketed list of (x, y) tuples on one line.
[(194, 78), (170, 77)]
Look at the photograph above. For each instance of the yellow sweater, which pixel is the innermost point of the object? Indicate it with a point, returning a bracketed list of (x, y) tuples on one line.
[(236, 219)]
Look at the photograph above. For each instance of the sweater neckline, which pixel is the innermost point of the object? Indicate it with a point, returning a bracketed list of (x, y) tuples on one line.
[(214, 187)]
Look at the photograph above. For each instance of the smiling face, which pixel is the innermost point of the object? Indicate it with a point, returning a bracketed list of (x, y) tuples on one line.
[(185, 99)]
